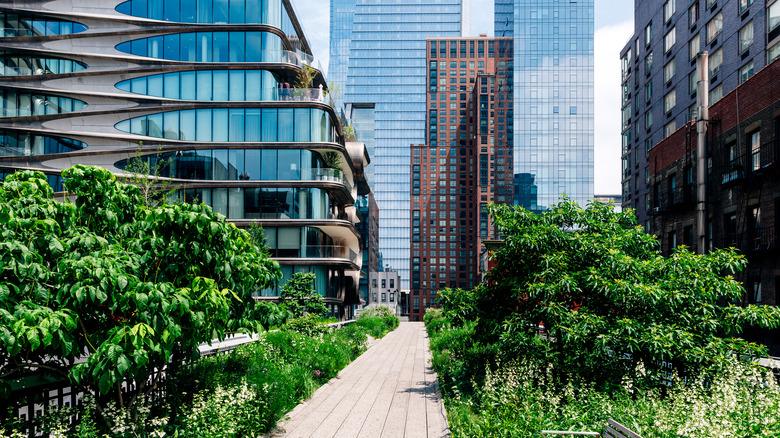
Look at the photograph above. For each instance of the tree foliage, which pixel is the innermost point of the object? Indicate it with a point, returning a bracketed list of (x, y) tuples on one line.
[(123, 286), (299, 298), (606, 295)]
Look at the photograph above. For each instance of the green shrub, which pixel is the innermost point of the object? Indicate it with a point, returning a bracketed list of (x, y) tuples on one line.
[(377, 326), (378, 311), (308, 324)]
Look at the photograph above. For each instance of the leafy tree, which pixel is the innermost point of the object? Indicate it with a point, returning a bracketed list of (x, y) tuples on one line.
[(123, 286), (607, 297), (146, 173), (299, 298)]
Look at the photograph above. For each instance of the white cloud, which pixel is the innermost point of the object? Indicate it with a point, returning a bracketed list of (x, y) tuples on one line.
[(609, 40)]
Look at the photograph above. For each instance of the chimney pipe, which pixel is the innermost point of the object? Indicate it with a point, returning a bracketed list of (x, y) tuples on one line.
[(702, 117)]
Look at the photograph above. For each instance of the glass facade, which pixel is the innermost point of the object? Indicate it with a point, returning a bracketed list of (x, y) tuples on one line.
[(387, 70), (208, 47), (265, 203), (14, 64), (22, 104), (240, 165), (15, 25), (236, 125), (26, 144), (207, 85), (504, 16), (341, 22), (553, 100)]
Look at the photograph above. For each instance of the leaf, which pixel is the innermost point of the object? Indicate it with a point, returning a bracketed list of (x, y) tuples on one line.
[(33, 339), (55, 246), (5, 292)]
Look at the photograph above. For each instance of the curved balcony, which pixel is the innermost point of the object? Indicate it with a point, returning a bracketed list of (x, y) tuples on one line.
[(318, 252), (325, 174)]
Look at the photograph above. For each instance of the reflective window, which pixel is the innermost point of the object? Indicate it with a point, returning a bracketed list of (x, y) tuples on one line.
[(211, 47), (18, 144), (321, 275), (242, 165), (15, 25), (243, 85), (230, 125), (267, 203), (20, 104), (13, 64), (208, 11)]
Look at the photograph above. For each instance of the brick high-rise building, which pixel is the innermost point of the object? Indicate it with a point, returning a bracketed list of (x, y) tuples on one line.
[(742, 187), (659, 72), (466, 163)]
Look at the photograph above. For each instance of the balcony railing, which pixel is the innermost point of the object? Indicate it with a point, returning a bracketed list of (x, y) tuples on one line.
[(762, 239), (317, 252), (753, 162), (324, 174)]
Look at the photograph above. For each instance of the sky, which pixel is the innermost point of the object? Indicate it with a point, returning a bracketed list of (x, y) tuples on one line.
[(614, 23)]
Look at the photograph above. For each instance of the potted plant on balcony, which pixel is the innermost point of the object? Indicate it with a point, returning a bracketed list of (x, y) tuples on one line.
[(302, 87), (333, 161)]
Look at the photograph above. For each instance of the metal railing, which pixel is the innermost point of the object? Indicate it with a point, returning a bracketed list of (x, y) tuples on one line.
[(317, 252), (325, 174), (762, 239)]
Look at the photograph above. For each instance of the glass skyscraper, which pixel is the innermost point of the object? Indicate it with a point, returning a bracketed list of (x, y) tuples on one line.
[(200, 90), (386, 78), (553, 101), (504, 15)]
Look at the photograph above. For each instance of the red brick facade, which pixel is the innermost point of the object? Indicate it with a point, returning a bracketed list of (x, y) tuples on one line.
[(469, 102)]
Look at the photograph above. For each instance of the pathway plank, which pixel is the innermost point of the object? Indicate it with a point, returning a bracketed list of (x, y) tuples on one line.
[(389, 391)]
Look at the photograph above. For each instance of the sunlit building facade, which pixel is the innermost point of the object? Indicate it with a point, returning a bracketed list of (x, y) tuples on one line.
[(385, 94), (202, 86), (553, 100)]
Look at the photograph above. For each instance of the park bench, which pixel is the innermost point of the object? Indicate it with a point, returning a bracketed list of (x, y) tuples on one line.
[(613, 429)]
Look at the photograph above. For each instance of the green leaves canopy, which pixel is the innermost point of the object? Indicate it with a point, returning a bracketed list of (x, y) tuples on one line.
[(108, 277), (595, 280)]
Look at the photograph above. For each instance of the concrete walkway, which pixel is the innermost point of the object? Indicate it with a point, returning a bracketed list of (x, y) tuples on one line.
[(389, 391)]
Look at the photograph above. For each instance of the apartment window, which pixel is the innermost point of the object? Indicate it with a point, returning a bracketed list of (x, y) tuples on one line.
[(384, 297), (670, 100), (392, 297), (773, 53), (649, 118), (648, 91), (773, 14), (715, 94), (669, 39), (715, 62), (746, 72), (692, 81), (392, 283), (669, 70), (669, 9), (693, 14), (384, 284), (710, 3), (693, 47), (648, 34), (745, 37), (648, 62), (714, 27), (754, 139), (730, 229), (669, 128), (744, 5)]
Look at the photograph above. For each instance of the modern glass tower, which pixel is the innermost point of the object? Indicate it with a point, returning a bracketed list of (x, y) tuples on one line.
[(553, 101), (386, 79), (204, 86), (504, 15)]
